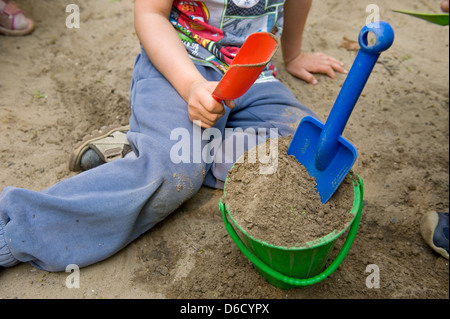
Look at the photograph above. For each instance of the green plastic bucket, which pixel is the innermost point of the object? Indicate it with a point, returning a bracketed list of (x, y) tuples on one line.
[(291, 267)]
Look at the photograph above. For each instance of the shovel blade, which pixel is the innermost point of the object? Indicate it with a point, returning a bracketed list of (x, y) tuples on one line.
[(250, 61), (304, 146), (237, 81)]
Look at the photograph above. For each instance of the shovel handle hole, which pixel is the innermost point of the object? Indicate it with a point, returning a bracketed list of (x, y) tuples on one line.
[(369, 39), (376, 37)]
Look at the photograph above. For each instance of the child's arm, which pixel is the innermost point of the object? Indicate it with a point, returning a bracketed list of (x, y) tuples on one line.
[(167, 53), (300, 64)]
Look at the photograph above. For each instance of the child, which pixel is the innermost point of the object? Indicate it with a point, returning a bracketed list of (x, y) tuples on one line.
[(91, 216)]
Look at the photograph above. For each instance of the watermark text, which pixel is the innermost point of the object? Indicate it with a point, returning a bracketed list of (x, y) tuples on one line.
[(73, 19)]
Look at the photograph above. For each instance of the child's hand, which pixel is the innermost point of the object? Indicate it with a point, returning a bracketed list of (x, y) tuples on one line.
[(202, 106), (305, 64)]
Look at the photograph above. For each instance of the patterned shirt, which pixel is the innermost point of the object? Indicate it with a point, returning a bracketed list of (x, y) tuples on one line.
[(214, 30)]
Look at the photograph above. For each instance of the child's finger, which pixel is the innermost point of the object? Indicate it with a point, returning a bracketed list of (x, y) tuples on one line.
[(330, 72), (214, 107), (307, 76), (208, 114), (206, 122), (336, 64), (339, 68), (335, 61), (230, 104)]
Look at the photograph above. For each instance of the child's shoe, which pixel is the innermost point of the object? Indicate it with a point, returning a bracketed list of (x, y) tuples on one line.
[(13, 21), (102, 146), (434, 230)]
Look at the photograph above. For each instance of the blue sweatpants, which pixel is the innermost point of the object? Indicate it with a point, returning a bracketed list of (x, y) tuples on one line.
[(91, 216)]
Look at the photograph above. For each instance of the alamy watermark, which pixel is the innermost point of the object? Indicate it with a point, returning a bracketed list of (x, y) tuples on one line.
[(73, 280), (73, 19), (223, 149), (373, 280), (227, 147), (374, 15)]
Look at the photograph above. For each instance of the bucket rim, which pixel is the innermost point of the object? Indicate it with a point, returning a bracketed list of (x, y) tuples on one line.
[(324, 240)]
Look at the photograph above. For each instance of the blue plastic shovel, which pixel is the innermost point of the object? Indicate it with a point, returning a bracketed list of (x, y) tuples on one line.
[(321, 148)]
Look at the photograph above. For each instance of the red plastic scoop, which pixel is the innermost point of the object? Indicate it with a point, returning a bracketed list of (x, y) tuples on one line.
[(247, 65)]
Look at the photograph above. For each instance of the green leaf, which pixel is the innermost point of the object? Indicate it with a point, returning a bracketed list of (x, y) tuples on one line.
[(436, 18)]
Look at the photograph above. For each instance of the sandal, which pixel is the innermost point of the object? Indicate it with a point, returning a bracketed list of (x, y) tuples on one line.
[(102, 146), (13, 21)]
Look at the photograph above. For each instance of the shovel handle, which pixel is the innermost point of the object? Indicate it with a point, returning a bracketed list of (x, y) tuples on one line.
[(352, 89)]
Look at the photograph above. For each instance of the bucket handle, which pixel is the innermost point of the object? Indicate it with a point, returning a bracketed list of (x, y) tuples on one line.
[(286, 279)]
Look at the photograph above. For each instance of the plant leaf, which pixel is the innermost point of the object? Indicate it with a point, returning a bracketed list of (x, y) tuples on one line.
[(436, 18)]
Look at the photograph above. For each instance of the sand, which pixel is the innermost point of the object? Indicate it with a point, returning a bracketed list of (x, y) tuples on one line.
[(284, 208), (59, 84)]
